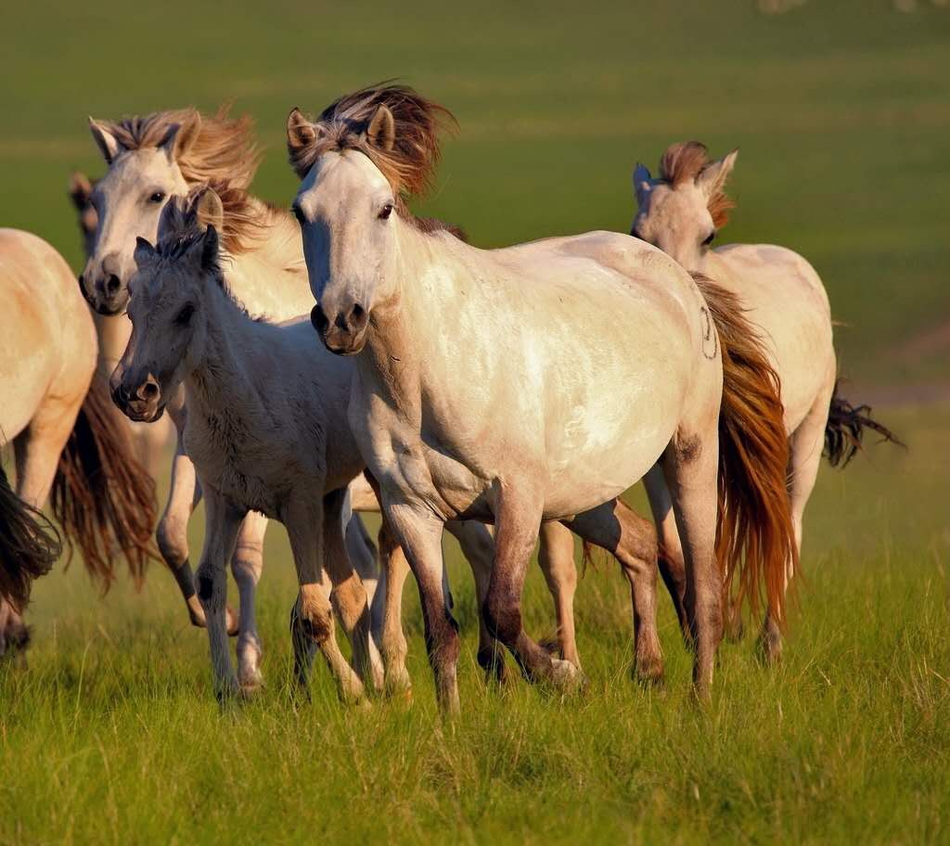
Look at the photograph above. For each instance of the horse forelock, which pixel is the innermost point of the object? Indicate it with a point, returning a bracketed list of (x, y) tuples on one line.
[(684, 162), (223, 147)]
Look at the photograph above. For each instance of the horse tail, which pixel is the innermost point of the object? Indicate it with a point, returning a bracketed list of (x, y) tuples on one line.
[(845, 430), (102, 496), (29, 545), (755, 539)]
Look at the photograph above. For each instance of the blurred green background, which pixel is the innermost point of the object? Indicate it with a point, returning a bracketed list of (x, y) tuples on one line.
[(841, 110)]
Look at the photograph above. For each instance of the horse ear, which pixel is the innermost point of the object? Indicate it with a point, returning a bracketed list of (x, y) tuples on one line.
[(209, 249), (144, 252), (300, 131), (713, 177), (180, 137), (209, 209), (641, 182), (381, 131), (80, 189), (105, 140)]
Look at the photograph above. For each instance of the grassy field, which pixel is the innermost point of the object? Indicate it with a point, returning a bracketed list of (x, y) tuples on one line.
[(842, 113)]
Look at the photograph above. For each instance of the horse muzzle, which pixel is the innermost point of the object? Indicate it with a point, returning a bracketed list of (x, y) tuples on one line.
[(142, 404), (344, 334)]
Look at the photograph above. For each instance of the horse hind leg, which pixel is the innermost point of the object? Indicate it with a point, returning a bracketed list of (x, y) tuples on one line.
[(363, 556), (805, 450), (246, 566), (556, 559), (632, 540)]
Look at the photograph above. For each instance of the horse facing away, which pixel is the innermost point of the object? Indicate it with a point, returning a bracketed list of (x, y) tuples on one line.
[(681, 212), (491, 386), (113, 332), (67, 445)]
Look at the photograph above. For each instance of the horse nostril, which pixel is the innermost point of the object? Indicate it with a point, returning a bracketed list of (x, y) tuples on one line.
[(150, 390), (358, 317), (112, 286), (318, 319)]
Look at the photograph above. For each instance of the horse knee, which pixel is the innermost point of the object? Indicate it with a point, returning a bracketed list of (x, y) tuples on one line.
[(351, 602), (172, 537), (248, 561), (316, 615), (212, 587), (502, 618)]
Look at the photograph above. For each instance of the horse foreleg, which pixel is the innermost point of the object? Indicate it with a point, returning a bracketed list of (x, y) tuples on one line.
[(363, 557), (393, 642), (246, 565), (222, 524), (556, 559), (619, 529)]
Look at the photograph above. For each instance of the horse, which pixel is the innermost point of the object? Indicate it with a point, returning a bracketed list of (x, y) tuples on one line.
[(681, 212), (491, 386), (169, 154), (113, 331), (68, 446), (266, 429)]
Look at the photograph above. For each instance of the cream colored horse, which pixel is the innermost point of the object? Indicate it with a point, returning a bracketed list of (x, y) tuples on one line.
[(681, 212), (68, 446), (491, 386), (113, 331)]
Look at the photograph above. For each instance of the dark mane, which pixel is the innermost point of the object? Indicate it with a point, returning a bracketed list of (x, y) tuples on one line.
[(684, 162)]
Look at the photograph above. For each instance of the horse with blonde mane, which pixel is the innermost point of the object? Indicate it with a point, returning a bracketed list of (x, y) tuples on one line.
[(681, 212), (490, 386), (113, 332), (68, 446)]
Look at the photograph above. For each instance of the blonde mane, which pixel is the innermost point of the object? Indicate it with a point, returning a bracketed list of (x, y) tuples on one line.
[(684, 162), (222, 149), (410, 165)]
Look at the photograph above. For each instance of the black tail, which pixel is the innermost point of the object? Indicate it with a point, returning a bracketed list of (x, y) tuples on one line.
[(845, 430), (29, 545)]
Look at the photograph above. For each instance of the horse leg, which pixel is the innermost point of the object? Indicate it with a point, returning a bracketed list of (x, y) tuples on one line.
[(172, 530), (478, 547), (14, 635), (517, 523), (805, 450), (691, 467), (393, 642), (670, 555), (348, 595), (556, 559), (222, 524), (312, 618), (362, 555), (632, 540), (246, 565), (37, 450), (420, 535)]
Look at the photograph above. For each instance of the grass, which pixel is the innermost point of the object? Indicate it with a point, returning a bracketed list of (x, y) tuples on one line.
[(841, 111)]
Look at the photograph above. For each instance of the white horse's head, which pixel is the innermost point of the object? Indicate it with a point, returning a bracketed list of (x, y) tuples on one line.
[(167, 306), (681, 211), (359, 162), (151, 159)]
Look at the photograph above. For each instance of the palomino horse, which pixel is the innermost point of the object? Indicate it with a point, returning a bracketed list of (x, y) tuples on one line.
[(266, 429), (68, 446), (681, 212), (113, 333), (490, 384), (264, 271)]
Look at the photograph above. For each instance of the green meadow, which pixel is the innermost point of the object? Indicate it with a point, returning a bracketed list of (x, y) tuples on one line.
[(841, 111)]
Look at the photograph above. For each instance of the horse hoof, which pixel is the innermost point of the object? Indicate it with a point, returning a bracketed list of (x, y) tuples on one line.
[(567, 677), (769, 650), (649, 672)]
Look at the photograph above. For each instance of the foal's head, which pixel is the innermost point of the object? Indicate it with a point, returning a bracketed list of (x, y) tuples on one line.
[(151, 159), (681, 211), (169, 295), (360, 161)]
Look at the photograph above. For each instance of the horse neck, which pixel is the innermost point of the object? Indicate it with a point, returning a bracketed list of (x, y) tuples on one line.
[(270, 277), (113, 332), (224, 378)]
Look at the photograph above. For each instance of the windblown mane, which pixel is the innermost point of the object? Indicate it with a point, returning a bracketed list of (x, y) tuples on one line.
[(684, 162), (180, 230), (223, 147), (410, 165)]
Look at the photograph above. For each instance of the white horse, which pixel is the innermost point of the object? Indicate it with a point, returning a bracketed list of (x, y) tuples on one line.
[(160, 156), (266, 429), (113, 332), (68, 446), (529, 384), (680, 212)]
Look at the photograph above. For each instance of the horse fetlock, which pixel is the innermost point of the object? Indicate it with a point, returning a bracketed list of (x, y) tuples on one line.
[(492, 660), (565, 676)]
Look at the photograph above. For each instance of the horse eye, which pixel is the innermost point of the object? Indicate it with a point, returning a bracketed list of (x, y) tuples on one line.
[(709, 239), (386, 211), (157, 197), (184, 316)]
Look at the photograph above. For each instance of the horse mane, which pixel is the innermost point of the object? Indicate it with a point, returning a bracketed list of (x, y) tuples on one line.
[(180, 229), (410, 165), (684, 162), (223, 147)]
